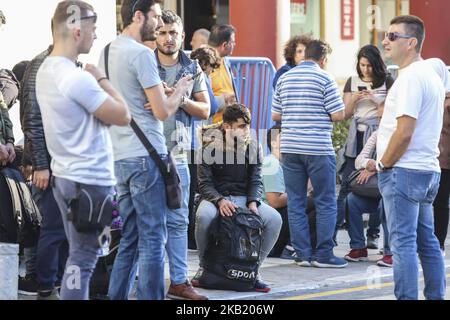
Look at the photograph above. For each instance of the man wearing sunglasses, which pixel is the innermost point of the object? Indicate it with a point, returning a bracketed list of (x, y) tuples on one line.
[(132, 69), (407, 161)]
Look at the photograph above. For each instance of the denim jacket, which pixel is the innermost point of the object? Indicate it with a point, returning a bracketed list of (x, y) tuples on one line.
[(183, 119)]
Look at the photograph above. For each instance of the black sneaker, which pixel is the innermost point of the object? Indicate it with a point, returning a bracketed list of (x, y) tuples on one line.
[(28, 285), (288, 253), (372, 242), (261, 286), (48, 295)]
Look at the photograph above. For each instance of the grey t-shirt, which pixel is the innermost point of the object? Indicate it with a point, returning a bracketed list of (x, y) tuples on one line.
[(133, 68), (170, 124)]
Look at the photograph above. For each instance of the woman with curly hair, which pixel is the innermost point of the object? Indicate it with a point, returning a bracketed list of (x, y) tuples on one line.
[(294, 53)]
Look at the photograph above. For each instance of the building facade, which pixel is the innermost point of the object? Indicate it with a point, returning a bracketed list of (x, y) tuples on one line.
[(264, 26)]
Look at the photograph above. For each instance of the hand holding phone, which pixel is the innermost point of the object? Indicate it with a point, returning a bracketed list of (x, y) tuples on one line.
[(362, 88)]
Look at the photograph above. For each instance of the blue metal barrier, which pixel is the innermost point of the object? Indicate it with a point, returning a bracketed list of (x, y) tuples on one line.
[(253, 80)]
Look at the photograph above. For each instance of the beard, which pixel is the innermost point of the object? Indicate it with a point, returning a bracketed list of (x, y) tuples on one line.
[(168, 52), (148, 32)]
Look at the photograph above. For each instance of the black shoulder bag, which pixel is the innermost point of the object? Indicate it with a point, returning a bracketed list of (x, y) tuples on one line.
[(369, 189), (166, 165)]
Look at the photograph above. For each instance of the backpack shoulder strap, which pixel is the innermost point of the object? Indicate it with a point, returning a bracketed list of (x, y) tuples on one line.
[(28, 203), (15, 197)]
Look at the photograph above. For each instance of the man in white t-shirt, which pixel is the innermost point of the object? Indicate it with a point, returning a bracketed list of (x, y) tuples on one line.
[(76, 106), (407, 161)]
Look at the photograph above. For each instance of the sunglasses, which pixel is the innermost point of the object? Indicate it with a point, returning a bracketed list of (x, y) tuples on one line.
[(392, 36), (133, 8), (94, 16)]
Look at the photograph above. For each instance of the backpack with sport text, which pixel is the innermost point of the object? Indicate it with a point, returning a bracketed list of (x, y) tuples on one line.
[(233, 251)]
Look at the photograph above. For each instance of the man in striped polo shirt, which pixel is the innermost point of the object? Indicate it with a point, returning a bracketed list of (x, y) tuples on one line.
[(307, 102)]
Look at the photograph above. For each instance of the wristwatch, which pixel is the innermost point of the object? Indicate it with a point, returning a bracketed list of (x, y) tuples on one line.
[(380, 166)]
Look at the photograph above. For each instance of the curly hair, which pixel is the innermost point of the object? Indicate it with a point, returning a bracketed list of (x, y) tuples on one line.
[(206, 56), (291, 47)]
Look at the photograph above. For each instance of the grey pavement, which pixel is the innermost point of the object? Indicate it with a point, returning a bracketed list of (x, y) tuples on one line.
[(358, 281), (289, 281)]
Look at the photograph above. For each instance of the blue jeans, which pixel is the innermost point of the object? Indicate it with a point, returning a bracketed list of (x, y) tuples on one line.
[(357, 206), (52, 247), (83, 247), (321, 170), (142, 205), (207, 212), (408, 198), (177, 226)]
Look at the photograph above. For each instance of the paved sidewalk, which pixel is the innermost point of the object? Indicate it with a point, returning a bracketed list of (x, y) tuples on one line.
[(285, 277)]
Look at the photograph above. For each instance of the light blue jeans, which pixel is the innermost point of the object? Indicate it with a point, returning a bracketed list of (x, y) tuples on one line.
[(177, 226), (207, 212), (142, 205), (297, 169), (408, 200)]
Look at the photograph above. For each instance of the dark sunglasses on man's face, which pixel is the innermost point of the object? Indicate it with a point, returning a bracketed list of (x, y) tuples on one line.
[(94, 17), (392, 36)]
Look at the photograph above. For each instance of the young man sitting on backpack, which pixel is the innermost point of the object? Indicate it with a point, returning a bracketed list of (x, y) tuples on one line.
[(229, 176)]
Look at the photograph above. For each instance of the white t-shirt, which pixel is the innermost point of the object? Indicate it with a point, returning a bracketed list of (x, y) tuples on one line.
[(419, 93), (79, 143)]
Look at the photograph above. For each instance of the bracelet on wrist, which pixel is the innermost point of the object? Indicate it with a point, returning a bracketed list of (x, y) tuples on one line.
[(101, 79)]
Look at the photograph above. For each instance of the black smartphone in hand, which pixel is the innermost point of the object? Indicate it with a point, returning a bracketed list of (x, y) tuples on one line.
[(362, 88)]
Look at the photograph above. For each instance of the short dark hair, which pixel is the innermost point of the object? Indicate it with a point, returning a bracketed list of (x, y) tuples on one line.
[(235, 112), (62, 14), (317, 50), (413, 26), (220, 33), (275, 132), (129, 7), (291, 47), (170, 17), (206, 56)]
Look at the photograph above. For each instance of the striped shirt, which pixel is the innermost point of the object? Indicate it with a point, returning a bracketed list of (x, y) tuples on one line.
[(305, 97)]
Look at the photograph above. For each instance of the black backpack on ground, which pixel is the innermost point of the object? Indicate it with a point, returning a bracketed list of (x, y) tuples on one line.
[(98, 287), (20, 218), (233, 251)]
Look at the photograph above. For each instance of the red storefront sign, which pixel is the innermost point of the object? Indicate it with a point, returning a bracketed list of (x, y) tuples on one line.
[(347, 19), (298, 8)]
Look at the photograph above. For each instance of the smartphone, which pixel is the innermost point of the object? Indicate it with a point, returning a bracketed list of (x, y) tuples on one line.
[(195, 76), (362, 88)]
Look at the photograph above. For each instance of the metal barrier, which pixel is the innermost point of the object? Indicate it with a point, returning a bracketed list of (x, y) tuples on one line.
[(253, 81)]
